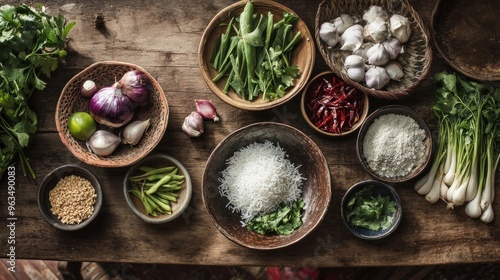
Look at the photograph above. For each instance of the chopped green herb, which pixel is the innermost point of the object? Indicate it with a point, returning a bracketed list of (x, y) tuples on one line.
[(370, 212), (282, 221)]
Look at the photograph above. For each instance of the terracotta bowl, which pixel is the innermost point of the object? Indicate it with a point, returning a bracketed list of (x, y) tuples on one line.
[(183, 200), (49, 183), (307, 113), (398, 110), (378, 188), (301, 150), (303, 54), (105, 74)]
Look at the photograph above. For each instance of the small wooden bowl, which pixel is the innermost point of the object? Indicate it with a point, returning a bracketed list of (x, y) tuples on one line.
[(397, 110), (49, 183), (384, 190), (301, 150), (303, 55), (185, 194), (105, 74), (416, 59), (306, 112), (463, 35)]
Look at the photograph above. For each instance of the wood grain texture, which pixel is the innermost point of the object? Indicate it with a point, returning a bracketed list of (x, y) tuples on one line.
[(163, 38)]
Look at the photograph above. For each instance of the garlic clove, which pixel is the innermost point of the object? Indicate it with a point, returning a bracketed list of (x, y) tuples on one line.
[(193, 125), (377, 55), (356, 74), (400, 28), (329, 34), (103, 143), (377, 77), (375, 12), (395, 70), (206, 109), (133, 132), (352, 38), (376, 31)]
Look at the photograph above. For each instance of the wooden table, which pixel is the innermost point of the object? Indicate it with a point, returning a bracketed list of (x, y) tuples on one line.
[(163, 37)]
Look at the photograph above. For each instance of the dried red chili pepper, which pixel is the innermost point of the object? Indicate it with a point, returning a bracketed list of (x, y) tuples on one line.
[(334, 105)]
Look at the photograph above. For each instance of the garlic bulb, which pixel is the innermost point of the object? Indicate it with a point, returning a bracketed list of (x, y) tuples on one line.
[(377, 30), (393, 48), (356, 74), (193, 125), (353, 61), (376, 77), (377, 55), (400, 28), (103, 143), (328, 34), (362, 50), (374, 12), (395, 70), (352, 38), (342, 22)]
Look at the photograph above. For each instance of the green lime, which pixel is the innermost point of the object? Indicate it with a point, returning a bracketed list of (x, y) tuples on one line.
[(81, 125)]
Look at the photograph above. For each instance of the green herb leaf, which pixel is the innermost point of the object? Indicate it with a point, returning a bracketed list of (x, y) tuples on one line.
[(282, 221)]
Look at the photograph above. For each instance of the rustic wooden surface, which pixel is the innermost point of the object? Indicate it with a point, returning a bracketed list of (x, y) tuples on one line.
[(163, 37)]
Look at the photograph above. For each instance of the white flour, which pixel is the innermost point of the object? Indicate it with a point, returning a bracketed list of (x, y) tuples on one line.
[(394, 145)]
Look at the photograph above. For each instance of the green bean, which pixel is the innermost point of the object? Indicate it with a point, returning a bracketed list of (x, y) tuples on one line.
[(152, 172), (167, 196), (160, 203), (160, 182)]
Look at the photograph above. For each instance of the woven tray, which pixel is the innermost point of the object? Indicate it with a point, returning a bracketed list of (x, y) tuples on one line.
[(417, 56), (105, 74)]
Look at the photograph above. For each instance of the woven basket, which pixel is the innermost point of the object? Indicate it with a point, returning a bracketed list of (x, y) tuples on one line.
[(105, 74), (417, 56)]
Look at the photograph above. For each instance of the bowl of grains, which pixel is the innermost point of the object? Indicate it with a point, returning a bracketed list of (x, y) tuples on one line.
[(394, 144), (266, 186), (70, 197)]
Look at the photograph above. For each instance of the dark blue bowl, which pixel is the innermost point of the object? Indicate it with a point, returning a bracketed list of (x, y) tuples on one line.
[(378, 188)]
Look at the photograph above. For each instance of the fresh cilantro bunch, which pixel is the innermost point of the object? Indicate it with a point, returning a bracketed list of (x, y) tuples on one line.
[(31, 44), (370, 212), (282, 221)]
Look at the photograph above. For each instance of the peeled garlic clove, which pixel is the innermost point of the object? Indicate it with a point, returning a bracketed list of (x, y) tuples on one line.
[(377, 55), (356, 74), (133, 132), (193, 125), (352, 38), (206, 109), (353, 61), (395, 70), (376, 31), (400, 28), (329, 34), (341, 23), (393, 48), (374, 12), (377, 77), (103, 143)]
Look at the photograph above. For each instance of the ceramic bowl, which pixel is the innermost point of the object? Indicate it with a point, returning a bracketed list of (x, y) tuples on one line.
[(303, 54), (417, 169), (49, 183), (308, 114), (301, 151), (104, 74), (377, 188), (184, 194)]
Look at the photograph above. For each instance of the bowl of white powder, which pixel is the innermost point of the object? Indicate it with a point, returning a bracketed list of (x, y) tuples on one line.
[(260, 169), (394, 144)]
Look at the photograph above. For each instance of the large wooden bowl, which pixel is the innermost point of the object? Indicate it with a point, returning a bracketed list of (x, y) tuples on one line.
[(105, 74), (303, 55), (301, 151)]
